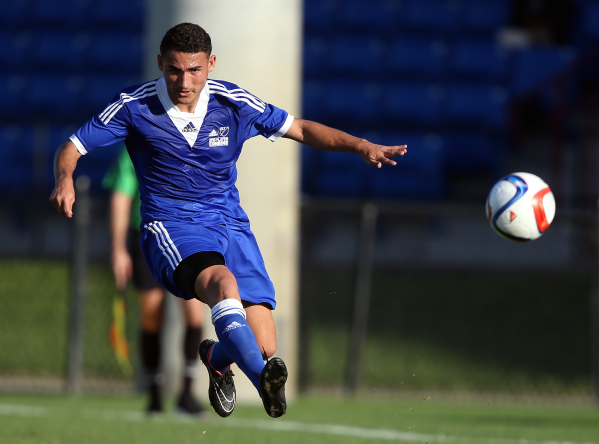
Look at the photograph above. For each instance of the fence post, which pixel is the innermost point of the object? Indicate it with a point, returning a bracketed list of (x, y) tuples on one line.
[(81, 216), (362, 296), (595, 321)]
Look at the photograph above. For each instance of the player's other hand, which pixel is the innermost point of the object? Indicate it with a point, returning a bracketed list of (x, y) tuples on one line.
[(377, 155), (122, 267), (63, 197)]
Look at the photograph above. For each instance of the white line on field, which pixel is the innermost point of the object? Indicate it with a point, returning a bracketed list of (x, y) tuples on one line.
[(279, 425)]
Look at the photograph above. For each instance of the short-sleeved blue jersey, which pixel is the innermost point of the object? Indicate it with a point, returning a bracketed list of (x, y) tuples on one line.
[(185, 162)]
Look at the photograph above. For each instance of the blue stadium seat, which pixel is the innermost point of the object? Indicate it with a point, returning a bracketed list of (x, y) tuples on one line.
[(111, 49), (471, 104), (590, 19), (16, 148), (527, 73), (479, 59), (485, 15), (118, 14), (13, 13), (58, 12), (101, 89), (351, 100), (417, 175), (431, 15), (473, 154), (12, 89), (417, 56), (15, 49), (356, 55), (372, 14), (61, 50), (321, 13), (413, 102), (337, 175), (316, 55), (53, 95)]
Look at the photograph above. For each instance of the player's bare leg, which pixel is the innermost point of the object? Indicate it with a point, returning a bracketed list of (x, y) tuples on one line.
[(151, 303)]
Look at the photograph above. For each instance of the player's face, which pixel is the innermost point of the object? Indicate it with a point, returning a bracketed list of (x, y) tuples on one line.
[(185, 76)]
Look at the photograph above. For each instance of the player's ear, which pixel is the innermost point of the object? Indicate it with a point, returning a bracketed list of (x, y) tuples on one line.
[(211, 63), (160, 62)]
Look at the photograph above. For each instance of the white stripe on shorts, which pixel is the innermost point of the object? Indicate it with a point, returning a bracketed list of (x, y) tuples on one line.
[(156, 228)]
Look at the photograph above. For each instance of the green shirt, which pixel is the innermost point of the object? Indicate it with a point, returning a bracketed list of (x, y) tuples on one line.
[(122, 178)]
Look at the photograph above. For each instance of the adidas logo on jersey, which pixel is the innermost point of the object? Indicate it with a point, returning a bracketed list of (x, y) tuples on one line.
[(190, 128), (213, 134), (232, 326)]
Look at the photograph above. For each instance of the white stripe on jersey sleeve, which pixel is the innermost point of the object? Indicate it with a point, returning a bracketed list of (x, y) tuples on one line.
[(237, 94), (124, 100), (238, 99), (222, 87), (283, 129), (78, 144), (133, 94)]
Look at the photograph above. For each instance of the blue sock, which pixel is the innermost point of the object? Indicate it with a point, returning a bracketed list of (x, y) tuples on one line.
[(219, 358), (237, 338)]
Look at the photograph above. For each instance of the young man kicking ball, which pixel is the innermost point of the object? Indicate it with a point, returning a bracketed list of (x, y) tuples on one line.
[(184, 134)]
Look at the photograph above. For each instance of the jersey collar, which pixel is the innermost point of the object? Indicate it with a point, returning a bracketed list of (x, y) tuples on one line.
[(171, 108)]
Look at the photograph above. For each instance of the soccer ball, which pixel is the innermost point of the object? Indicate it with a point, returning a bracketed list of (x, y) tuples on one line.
[(520, 207)]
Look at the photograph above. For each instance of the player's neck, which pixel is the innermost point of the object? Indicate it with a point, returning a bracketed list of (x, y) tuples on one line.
[(186, 107)]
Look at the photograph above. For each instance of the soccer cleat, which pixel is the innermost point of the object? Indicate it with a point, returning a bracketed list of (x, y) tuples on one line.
[(222, 388), (272, 387)]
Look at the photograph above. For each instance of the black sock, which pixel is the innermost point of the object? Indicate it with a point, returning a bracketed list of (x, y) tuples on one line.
[(150, 356), (191, 344)]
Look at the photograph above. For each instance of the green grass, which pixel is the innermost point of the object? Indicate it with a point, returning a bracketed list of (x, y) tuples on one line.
[(34, 296), (330, 420)]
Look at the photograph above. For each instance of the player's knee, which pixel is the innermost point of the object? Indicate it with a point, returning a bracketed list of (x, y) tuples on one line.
[(219, 286), (270, 349)]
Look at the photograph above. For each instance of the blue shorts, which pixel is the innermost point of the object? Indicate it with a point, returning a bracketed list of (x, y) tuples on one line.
[(166, 244)]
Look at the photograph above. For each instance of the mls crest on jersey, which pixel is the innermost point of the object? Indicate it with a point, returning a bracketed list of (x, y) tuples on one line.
[(219, 138)]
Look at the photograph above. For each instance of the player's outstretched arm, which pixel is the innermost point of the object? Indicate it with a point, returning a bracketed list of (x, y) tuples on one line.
[(65, 161), (325, 138), (120, 216)]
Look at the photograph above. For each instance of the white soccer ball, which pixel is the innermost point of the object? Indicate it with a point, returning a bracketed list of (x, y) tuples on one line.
[(520, 207)]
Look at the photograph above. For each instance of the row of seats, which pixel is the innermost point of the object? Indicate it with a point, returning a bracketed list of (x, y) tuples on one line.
[(422, 174), (26, 153), (431, 58), (65, 51), (402, 103), (73, 14), (56, 96), (448, 16)]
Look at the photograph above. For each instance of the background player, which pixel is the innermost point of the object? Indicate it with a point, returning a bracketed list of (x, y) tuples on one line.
[(184, 134), (128, 262)]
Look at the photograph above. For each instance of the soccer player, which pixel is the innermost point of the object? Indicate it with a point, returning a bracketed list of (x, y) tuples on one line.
[(184, 133), (128, 262)]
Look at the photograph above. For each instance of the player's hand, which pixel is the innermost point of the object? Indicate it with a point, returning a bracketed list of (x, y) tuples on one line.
[(63, 197), (377, 155), (122, 267)]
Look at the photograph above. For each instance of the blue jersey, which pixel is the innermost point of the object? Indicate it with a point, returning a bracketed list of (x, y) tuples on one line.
[(185, 162)]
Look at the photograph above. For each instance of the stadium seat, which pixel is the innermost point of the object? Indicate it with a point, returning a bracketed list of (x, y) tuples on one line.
[(101, 89), (16, 146), (418, 175), (15, 49), (12, 14), (118, 14), (417, 56), (431, 15), (590, 20), (473, 154), (61, 50), (321, 14), (12, 89), (379, 15), (71, 13), (412, 102), (485, 15), (53, 95), (470, 104), (355, 56), (316, 55), (479, 59), (527, 74), (111, 49), (353, 101)]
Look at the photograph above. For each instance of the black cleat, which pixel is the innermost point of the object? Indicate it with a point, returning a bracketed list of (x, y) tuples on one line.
[(272, 387), (222, 388)]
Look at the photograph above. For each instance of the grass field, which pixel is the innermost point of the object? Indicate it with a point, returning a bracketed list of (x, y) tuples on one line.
[(326, 419)]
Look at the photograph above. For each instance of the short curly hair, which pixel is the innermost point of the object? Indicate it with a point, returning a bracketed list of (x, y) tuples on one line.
[(186, 37)]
